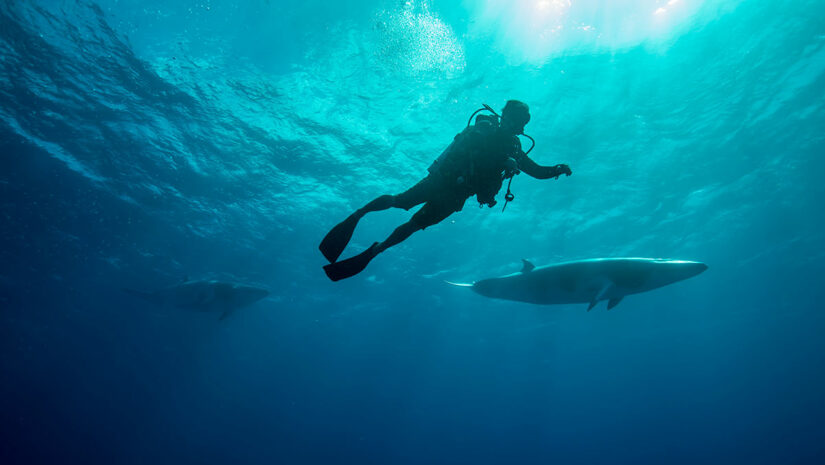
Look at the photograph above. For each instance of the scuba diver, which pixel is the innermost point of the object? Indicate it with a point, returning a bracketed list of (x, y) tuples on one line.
[(476, 163)]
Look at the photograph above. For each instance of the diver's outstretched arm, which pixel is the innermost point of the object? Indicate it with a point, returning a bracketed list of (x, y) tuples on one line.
[(542, 172)]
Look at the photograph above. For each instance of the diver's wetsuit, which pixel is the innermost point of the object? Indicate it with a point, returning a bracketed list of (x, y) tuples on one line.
[(444, 191), (440, 200), (474, 164)]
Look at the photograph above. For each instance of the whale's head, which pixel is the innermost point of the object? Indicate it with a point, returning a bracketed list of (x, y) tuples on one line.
[(685, 269), (492, 287), (671, 271)]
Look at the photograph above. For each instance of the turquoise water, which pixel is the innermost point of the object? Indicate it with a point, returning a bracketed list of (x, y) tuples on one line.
[(145, 141)]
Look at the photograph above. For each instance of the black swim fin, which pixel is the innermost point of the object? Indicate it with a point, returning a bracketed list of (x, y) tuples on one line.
[(351, 266), (338, 237)]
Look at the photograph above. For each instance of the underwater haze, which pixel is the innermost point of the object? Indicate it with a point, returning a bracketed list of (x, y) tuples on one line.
[(144, 141)]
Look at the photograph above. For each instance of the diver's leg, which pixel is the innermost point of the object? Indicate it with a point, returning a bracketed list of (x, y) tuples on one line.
[(352, 266), (338, 237), (380, 203), (428, 215), (415, 195), (398, 236)]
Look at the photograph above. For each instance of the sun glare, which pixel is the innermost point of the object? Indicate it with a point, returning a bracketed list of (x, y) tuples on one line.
[(552, 6), (662, 10), (535, 30)]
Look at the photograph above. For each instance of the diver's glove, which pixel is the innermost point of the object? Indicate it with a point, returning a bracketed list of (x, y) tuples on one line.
[(559, 170)]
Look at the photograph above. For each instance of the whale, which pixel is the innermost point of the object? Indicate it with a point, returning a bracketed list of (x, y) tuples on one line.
[(586, 281), (203, 296)]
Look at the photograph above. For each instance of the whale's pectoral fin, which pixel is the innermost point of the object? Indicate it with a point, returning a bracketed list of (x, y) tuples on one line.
[(613, 302), (598, 296), (527, 266), (226, 313), (205, 297)]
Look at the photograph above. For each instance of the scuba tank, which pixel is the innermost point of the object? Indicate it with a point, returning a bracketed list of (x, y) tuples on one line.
[(453, 160), (484, 122), (448, 157)]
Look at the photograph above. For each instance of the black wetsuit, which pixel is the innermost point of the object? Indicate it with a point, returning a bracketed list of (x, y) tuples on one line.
[(472, 165)]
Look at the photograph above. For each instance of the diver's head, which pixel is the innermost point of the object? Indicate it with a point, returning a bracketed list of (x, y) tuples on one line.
[(515, 116)]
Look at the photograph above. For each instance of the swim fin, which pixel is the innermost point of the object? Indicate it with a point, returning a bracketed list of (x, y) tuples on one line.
[(351, 266), (338, 237)]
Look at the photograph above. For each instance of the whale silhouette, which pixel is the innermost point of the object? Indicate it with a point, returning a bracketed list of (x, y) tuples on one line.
[(586, 281), (205, 296)]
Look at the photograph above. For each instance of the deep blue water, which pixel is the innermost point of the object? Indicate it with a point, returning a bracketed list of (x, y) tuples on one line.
[(145, 141)]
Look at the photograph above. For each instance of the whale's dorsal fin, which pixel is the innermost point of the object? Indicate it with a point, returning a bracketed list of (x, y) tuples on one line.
[(528, 267)]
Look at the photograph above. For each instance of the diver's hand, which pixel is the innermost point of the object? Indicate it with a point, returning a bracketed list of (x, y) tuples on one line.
[(511, 167), (562, 169)]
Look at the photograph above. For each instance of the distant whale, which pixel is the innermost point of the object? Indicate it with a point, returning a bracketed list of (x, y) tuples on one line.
[(586, 281), (205, 296)]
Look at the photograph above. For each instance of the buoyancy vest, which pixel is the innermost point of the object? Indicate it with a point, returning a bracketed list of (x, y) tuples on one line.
[(474, 161)]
